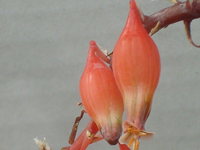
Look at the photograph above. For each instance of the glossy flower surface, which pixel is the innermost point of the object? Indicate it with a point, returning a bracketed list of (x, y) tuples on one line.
[(136, 67), (100, 95)]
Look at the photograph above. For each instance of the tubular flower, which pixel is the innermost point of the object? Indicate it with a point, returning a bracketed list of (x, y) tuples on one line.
[(136, 67), (85, 138), (100, 95)]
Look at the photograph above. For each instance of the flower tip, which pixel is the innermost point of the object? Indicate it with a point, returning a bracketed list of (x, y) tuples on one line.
[(112, 140), (132, 4), (92, 42), (111, 135)]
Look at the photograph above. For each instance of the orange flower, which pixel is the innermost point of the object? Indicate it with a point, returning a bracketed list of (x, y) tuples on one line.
[(136, 67), (100, 95), (83, 141)]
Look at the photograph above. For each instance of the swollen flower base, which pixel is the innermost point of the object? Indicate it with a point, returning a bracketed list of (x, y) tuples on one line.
[(129, 87)]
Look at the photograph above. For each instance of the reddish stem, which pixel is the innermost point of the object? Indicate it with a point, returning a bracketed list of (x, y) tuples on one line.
[(178, 12)]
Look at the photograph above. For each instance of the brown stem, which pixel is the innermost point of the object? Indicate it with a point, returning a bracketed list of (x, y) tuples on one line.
[(179, 12), (75, 127)]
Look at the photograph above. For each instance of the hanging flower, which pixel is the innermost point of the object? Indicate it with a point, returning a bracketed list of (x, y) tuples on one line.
[(100, 95), (136, 67)]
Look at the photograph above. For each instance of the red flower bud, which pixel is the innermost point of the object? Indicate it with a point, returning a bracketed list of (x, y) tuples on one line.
[(136, 67), (100, 95)]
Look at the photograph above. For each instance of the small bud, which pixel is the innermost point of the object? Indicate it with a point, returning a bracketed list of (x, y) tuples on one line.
[(100, 95)]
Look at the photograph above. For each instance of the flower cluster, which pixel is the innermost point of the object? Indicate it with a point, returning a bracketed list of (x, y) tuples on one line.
[(126, 85)]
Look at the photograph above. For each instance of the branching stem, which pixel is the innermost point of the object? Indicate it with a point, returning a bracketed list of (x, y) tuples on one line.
[(179, 12)]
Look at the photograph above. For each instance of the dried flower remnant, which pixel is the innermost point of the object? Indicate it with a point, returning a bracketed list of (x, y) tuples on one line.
[(42, 144), (100, 95), (75, 127), (136, 67)]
